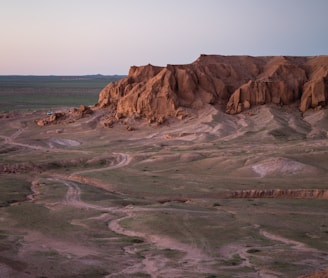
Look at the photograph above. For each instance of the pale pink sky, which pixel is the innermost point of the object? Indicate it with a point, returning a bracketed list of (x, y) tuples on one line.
[(66, 37)]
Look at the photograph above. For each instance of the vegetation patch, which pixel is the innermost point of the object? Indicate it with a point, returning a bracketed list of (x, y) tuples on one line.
[(13, 189), (253, 251), (234, 261)]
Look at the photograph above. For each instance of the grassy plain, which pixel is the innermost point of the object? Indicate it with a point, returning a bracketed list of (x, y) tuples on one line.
[(29, 93), (81, 200)]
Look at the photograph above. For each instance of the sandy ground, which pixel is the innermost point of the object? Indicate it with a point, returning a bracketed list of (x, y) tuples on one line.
[(182, 172)]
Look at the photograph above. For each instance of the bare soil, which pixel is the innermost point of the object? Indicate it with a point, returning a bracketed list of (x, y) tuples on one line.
[(212, 195)]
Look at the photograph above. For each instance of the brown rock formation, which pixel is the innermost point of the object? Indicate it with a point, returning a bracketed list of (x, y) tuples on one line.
[(60, 117), (53, 118), (315, 91), (238, 82)]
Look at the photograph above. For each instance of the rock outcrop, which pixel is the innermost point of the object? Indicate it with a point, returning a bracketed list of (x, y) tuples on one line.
[(231, 83), (50, 119), (235, 83), (62, 117)]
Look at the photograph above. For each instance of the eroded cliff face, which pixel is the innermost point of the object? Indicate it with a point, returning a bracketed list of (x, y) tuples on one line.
[(234, 82), (315, 90)]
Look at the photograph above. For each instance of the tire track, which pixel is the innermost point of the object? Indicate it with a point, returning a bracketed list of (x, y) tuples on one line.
[(122, 158), (193, 260)]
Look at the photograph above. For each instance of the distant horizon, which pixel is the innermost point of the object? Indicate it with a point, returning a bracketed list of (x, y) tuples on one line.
[(118, 74), (79, 37)]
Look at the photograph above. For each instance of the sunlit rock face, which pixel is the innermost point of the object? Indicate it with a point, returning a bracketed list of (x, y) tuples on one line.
[(234, 83)]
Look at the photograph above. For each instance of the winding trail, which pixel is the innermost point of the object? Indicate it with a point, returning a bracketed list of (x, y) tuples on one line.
[(154, 262), (73, 194), (193, 259), (299, 246), (10, 140), (122, 160)]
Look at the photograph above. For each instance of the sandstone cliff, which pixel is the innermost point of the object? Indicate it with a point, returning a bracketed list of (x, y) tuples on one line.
[(235, 83)]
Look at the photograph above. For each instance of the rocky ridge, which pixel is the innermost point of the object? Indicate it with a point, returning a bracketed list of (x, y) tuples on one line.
[(230, 83), (236, 83)]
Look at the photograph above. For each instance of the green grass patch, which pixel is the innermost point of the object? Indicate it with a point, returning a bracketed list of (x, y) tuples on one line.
[(41, 92), (50, 222), (87, 81), (253, 251), (13, 189), (172, 253), (47, 253), (234, 261), (134, 240)]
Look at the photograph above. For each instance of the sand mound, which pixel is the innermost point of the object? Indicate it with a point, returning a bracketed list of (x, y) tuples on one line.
[(280, 166)]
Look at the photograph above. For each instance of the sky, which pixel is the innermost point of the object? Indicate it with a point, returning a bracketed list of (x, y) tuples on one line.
[(77, 37)]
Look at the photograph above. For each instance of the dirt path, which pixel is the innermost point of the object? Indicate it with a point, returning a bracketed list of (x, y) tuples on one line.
[(73, 197), (299, 246), (193, 259), (10, 140), (155, 263), (230, 250), (122, 160)]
